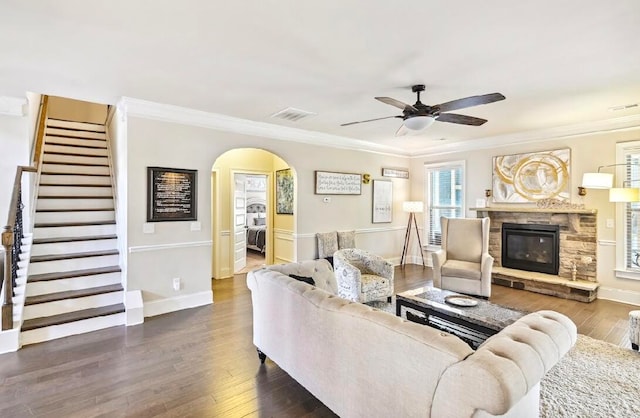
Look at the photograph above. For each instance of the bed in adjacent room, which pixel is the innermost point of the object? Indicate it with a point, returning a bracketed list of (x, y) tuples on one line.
[(256, 226)]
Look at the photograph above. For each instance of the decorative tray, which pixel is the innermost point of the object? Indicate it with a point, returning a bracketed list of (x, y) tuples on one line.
[(461, 300)]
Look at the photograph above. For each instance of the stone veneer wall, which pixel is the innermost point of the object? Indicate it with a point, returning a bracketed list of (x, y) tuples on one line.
[(578, 238)]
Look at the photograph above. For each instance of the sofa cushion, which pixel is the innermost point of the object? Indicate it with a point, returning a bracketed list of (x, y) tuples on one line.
[(372, 282), (319, 270), (462, 269)]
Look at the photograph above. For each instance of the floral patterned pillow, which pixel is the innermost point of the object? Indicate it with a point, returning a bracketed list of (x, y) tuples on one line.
[(346, 239), (327, 243)]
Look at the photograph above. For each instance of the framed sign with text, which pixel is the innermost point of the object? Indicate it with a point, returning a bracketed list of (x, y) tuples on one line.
[(328, 182), (400, 173), (171, 194)]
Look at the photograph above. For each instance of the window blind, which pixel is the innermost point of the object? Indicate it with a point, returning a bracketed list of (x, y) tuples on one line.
[(444, 197)]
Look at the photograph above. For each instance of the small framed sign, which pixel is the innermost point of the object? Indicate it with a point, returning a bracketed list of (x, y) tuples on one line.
[(171, 194), (400, 173)]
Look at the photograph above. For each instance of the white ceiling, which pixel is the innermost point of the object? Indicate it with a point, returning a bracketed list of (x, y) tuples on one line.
[(558, 63)]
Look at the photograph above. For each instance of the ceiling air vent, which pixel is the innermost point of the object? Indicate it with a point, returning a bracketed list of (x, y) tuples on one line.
[(292, 114)]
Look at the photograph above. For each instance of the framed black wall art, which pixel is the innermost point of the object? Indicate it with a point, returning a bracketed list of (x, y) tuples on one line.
[(171, 194)]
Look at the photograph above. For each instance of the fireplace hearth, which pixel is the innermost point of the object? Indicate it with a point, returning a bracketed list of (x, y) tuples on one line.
[(531, 247)]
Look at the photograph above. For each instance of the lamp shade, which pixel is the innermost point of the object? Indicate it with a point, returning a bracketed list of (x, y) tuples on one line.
[(597, 180), (418, 123), (416, 207), (624, 194)]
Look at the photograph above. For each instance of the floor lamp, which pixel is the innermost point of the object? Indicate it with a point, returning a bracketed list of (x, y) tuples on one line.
[(412, 208)]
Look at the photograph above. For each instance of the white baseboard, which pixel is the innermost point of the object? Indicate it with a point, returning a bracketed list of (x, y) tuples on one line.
[(162, 306), (619, 295), (10, 340), (134, 307)]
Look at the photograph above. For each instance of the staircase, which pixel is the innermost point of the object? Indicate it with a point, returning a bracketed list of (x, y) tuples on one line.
[(74, 282)]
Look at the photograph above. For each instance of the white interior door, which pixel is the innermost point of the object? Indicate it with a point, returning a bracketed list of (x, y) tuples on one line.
[(239, 223)]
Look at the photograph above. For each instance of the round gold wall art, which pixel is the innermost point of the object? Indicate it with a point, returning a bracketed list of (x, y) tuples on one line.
[(530, 177)]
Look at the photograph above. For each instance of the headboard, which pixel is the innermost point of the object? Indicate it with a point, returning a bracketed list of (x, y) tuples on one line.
[(255, 210)]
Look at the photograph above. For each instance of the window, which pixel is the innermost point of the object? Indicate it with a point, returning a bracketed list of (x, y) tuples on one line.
[(628, 214), (445, 196)]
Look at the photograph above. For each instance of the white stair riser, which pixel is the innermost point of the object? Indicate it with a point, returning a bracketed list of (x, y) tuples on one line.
[(70, 305), (74, 191), (55, 158), (75, 150), (72, 328), (78, 169), (93, 143), (85, 126), (42, 267), (74, 247), (75, 134), (43, 204), (75, 283), (82, 216), (71, 179), (74, 231)]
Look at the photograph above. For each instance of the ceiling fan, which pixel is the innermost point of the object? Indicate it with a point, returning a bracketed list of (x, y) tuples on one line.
[(420, 116)]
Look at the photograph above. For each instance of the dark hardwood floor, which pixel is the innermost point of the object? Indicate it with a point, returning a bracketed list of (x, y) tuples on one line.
[(201, 362)]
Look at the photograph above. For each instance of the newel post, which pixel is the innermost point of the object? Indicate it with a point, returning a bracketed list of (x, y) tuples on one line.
[(7, 303)]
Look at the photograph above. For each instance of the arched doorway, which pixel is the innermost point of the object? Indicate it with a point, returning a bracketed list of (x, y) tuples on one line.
[(243, 190)]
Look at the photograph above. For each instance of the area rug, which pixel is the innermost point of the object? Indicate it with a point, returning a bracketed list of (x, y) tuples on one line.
[(595, 379)]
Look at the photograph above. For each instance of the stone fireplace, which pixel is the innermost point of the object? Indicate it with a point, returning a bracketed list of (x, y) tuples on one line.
[(576, 246)]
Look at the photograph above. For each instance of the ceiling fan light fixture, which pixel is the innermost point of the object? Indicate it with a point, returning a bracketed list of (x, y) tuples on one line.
[(418, 123)]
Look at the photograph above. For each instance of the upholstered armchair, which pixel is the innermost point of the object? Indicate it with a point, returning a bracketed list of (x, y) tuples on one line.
[(463, 264), (362, 276)]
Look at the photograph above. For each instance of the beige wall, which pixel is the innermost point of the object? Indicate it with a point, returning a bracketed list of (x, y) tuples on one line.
[(14, 151), (155, 143), (76, 110), (587, 153)]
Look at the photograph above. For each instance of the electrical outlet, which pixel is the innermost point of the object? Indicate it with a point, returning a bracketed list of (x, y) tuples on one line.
[(176, 283)]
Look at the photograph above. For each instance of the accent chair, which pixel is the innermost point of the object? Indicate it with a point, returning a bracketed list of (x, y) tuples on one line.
[(463, 264), (362, 276)]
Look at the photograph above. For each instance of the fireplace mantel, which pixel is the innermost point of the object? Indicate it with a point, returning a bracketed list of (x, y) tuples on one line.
[(533, 210)]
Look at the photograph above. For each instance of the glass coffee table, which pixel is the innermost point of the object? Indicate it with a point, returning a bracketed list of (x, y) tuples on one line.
[(471, 319)]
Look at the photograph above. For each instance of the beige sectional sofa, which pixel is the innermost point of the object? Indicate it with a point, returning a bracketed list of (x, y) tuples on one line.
[(363, 362)]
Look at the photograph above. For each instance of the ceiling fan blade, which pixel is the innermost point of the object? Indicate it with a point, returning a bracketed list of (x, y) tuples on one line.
[(369, 120), (396, 103), (470, 101), (402, 130), (461, 119)]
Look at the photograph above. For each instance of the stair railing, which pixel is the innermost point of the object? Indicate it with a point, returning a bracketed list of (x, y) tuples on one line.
[(38, 141), (12, 235)]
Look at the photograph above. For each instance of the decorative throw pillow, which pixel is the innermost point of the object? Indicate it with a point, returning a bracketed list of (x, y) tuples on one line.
[(327, 243), (303, 279), (259, 221), (346, 239)]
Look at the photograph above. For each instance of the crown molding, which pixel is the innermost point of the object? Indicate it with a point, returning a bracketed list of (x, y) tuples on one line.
[(12, 106), (624, 123), (177, 114)]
